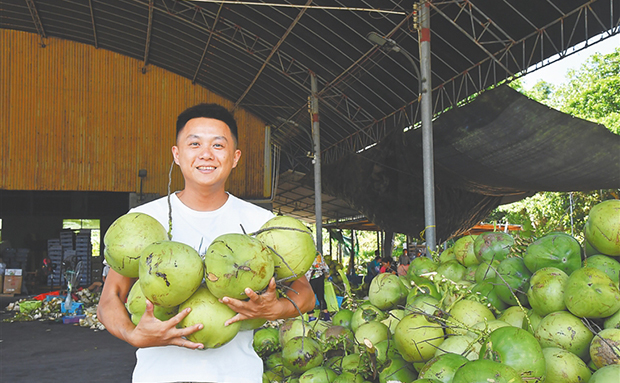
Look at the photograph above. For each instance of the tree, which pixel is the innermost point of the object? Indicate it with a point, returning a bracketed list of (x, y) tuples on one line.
[(591, 92)]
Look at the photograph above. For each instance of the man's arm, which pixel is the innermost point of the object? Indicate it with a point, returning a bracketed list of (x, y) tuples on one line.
[(269, 306), (150, 331)]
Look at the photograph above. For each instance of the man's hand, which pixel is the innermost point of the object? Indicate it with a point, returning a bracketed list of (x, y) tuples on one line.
[(258, 306), (271, 307), (151, 332)]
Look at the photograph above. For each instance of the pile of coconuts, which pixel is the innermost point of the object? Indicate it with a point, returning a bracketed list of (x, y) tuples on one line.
[(491, 308), (173, 276)]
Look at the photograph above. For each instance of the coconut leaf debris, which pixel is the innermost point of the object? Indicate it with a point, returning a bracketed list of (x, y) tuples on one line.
[(27, 310)]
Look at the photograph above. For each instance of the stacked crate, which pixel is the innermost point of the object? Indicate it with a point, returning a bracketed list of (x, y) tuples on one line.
[(54, 252), (83, 249), (66, 252)]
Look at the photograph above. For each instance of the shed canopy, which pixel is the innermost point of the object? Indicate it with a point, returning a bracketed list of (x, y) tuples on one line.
[(500, 147), (261, 54)]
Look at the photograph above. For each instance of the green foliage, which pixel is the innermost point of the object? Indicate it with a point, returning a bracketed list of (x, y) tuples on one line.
[(551, 211), (591, 92)]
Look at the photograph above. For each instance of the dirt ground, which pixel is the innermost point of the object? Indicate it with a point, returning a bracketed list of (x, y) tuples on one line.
[(56, 352)]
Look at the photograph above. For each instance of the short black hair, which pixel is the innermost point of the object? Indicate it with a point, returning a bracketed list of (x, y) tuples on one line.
[(205, 110)]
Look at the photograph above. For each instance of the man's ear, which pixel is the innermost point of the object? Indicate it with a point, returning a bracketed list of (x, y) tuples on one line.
[(175, 154), (237, 157)]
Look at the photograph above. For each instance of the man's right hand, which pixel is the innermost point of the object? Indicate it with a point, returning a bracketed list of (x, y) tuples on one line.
[(151, 332)]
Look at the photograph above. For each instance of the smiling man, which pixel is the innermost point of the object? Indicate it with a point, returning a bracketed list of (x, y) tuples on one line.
[(206, 152)]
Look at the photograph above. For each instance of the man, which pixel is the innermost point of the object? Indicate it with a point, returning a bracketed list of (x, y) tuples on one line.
[(206, 152)]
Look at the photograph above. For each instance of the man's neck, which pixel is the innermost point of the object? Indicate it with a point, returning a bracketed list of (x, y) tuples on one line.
[(203, 200)]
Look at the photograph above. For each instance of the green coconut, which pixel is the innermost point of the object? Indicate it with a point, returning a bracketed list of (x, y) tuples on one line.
[(518, 349), (460, 344), (605, 348), (393, 317), (563, 329), (342, 318), (493, 246), (590, 293), (300, 354), (546, 291), (170, 272), (466, 313), (607, 374), (565, 367), (452, 270), (366, 312), (486, 371), (294, 327), (397, 370), (318, 375), (447, 255), (486, 270), (266, 341), (416, 338), (553, 250), (208, 310), (127, 237), (512, 280), (136, 306), (607, 264), (464, 250), (421, 265), (443, 367), (386, 291), (293, 244), (602, 228), (374, 331), (234, 262)]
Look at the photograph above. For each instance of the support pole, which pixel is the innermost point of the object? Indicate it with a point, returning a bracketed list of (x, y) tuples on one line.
[(427, 128), (316, 160)]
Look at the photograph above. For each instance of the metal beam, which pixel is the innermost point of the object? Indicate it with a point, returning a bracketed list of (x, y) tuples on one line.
[(476, 79), (36, 20), (92, 21), (208, 43), (274, 49), (149, 31), (474, 40)]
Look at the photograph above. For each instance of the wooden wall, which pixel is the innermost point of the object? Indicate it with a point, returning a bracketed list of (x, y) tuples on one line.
[(73, 117)]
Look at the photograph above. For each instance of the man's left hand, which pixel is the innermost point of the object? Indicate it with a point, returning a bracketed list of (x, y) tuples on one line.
[(263, 305)]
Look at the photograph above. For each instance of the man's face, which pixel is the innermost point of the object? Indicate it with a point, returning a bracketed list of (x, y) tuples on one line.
[(206, 152)]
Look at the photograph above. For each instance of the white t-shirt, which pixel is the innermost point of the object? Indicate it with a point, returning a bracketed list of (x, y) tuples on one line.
[(235, 361)]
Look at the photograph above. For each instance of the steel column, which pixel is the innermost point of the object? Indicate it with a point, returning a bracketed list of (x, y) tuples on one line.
[(427, 128), (316, 160)]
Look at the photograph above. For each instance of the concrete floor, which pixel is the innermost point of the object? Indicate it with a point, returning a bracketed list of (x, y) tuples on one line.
[(56, 352)]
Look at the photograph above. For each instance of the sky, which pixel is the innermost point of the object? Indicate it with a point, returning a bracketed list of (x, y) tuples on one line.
[(556, 73)]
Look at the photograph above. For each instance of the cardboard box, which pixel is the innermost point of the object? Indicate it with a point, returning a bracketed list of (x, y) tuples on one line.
[(16, 272), (12, 284)]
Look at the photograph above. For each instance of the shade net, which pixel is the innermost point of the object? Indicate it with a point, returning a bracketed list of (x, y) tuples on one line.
[(499, 148)]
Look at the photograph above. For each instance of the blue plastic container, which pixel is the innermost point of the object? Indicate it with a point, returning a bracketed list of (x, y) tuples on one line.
[(76, 308)]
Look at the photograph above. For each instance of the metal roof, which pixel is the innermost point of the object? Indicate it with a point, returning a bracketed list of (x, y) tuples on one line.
[(260, 54)]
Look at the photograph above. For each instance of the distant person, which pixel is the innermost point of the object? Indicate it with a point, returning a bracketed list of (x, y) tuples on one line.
[(316, 275), (104, 273), (387, 266), (372, 269), (403, 264)]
